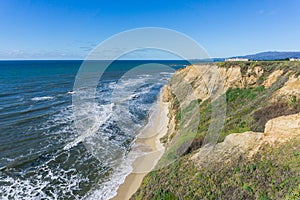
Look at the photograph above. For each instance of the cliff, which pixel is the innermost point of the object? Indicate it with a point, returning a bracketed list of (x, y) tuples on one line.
[(254, 109)]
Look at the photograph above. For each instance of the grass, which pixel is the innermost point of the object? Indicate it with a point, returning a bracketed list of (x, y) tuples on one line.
[(273, 173), (164, 195), (248, 109), (241, 103)]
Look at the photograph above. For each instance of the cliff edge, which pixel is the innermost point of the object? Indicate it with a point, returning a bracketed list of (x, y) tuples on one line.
[(257, 152)]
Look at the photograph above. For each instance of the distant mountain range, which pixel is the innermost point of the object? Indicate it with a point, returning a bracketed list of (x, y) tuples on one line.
[(271, 55)]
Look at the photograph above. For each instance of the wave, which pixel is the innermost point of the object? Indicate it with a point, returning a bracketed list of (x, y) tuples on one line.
[(53, 184), (71, 92), (42, 98), (103, 113), (121, 111), (109, 188)]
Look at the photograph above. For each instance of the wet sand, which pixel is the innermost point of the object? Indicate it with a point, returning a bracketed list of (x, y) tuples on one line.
[(150, 135)]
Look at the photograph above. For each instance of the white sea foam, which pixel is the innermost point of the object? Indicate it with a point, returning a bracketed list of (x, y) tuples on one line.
[(71, 92), (167, 73), (42, 98), (34, 188), (103, 113), (108, 189)]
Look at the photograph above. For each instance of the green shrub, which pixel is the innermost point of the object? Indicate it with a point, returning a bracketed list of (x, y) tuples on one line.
[(272, 173)]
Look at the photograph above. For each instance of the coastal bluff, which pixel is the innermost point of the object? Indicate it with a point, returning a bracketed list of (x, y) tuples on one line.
[(257, 151)]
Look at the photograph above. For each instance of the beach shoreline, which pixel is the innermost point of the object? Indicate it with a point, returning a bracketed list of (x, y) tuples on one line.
[(155, 129)]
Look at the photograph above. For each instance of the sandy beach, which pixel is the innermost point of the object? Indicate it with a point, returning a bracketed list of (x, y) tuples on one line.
[(149, 136)]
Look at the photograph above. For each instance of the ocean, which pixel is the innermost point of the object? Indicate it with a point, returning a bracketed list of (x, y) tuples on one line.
[(41, 155)]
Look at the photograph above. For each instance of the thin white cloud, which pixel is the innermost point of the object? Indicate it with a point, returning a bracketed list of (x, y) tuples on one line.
[(19, 54)]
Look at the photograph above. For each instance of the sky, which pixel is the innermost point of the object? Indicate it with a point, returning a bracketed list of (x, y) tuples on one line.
[(70, 29)]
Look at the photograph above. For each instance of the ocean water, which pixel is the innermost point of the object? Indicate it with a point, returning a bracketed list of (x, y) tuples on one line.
[(42, 155)]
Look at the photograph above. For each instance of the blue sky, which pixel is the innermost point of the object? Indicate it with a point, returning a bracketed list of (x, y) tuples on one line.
[(69, 29)]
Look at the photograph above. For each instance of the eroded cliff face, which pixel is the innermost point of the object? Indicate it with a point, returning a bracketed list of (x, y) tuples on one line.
[(290, 89), (209, 81), (277, 131), (257, 155), (272, 78)]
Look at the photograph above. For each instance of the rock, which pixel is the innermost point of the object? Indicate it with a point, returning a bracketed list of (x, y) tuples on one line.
[(258, 71), (166, 94), (287, 125), (291, 88), (232, 77), (207, 81), (252, 76), (272, 78), (278, 130), (234, 146)]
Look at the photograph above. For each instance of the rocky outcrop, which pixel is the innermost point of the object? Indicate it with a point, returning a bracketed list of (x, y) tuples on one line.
[(234, 146), (193, 83), (284, 125), (289, 90), (207, 78), (202, 82), (233, 76), (272, 78), (238, 145), (209, 81), (168, 97)]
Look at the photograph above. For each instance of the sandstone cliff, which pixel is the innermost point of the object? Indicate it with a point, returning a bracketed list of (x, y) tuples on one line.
[(257, 152)]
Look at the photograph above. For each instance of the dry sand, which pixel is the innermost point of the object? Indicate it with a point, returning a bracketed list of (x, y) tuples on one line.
[(150, 135)]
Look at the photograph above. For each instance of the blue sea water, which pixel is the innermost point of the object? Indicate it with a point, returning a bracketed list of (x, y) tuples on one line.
[(37, 127)]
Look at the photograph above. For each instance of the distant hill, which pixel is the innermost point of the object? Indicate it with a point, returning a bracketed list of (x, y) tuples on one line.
[(271, 55)]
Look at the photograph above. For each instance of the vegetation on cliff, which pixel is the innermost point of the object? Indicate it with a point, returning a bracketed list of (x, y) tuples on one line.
[(272, 174), (254, 98)]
